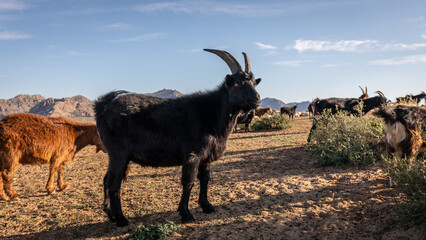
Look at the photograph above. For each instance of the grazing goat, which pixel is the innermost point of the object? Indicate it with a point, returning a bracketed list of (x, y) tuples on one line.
[(404, 125), (349, 104), (33, 139), (313, 111), (245, 119), (259, 112), (136, 127), (416, 98), (290, 111)]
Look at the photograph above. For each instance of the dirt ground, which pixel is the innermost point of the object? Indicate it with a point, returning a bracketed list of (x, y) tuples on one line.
[(265, 187)]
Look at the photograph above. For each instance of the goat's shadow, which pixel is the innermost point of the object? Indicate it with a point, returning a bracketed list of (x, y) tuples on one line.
[(233, 209)]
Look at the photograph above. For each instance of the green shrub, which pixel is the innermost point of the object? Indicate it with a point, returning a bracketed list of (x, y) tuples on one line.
[(271, 121), (410, 179), (153, 232), (344, 139)]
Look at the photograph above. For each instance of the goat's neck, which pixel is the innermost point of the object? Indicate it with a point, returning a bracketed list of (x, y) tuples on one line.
[(85, 134), (226, 116)]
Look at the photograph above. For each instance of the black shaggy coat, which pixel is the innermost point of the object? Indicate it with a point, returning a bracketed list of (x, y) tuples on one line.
[(191, 131), (290, 111)]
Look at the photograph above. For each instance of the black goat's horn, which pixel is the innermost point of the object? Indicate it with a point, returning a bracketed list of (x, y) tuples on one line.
[(247, 61), (381, 94), (228, 58), (361, 89)]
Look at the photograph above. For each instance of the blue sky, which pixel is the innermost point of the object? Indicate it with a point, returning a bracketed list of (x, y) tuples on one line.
[(301, 49)]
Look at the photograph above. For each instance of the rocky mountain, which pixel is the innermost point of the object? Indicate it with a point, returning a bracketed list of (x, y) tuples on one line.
[(277, 104), (166, 93), (80, 106), (77, 106)]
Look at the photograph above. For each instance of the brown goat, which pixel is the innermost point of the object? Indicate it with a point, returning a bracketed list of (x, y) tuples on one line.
[(259, 112), (33, 139)]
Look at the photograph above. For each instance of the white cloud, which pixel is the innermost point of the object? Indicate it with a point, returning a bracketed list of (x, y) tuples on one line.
[(12, 5), (423, 36), (294, 63), (117, 26), (141, 38), (340, 46), (403, 46), (265, 46), (271, 53), (6, 35), (413, 59)]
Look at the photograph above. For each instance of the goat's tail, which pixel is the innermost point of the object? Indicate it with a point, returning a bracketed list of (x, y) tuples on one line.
[(103, 100), (387, 114)]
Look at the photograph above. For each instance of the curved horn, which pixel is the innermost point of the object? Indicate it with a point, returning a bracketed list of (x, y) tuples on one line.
[(366, 90), (228, 58), (361, 89), (381, 94), (247, 61)]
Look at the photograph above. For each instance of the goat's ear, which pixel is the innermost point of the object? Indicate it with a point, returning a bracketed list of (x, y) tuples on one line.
[(229, 81), (258, 81)]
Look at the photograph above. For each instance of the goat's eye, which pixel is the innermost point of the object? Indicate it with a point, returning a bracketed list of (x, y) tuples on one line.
[(236, 85)]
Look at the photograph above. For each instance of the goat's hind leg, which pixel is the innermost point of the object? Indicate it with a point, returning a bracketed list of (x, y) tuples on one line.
[(3, 195), (112, 184), (204, 177), (54, 165), (7, 181)]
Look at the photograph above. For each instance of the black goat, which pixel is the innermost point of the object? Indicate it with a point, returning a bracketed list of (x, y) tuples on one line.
[(191, 131), (290, 111), (416, 98), (245, 118), (349, 104)]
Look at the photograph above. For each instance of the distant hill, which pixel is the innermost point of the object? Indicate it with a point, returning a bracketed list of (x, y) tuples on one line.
[(277, 104), (80, 106), (166, 93), (77, 106)]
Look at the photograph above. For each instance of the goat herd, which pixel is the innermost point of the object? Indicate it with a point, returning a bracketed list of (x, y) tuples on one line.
[(190, 131)]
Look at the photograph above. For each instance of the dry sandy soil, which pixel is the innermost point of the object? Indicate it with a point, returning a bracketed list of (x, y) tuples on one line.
[(266, 187)]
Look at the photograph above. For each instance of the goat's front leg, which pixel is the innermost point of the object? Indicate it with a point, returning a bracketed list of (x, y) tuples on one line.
[(61, 183), (189, 172), (204, 177), (112, 184)]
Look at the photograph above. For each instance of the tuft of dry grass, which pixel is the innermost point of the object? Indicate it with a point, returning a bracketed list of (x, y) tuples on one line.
[(265, 187)]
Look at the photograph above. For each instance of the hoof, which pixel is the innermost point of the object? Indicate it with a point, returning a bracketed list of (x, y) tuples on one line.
[(63, 187), (208, 208), (188, 219), (50, 191), (15, 198), (122, 222)]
